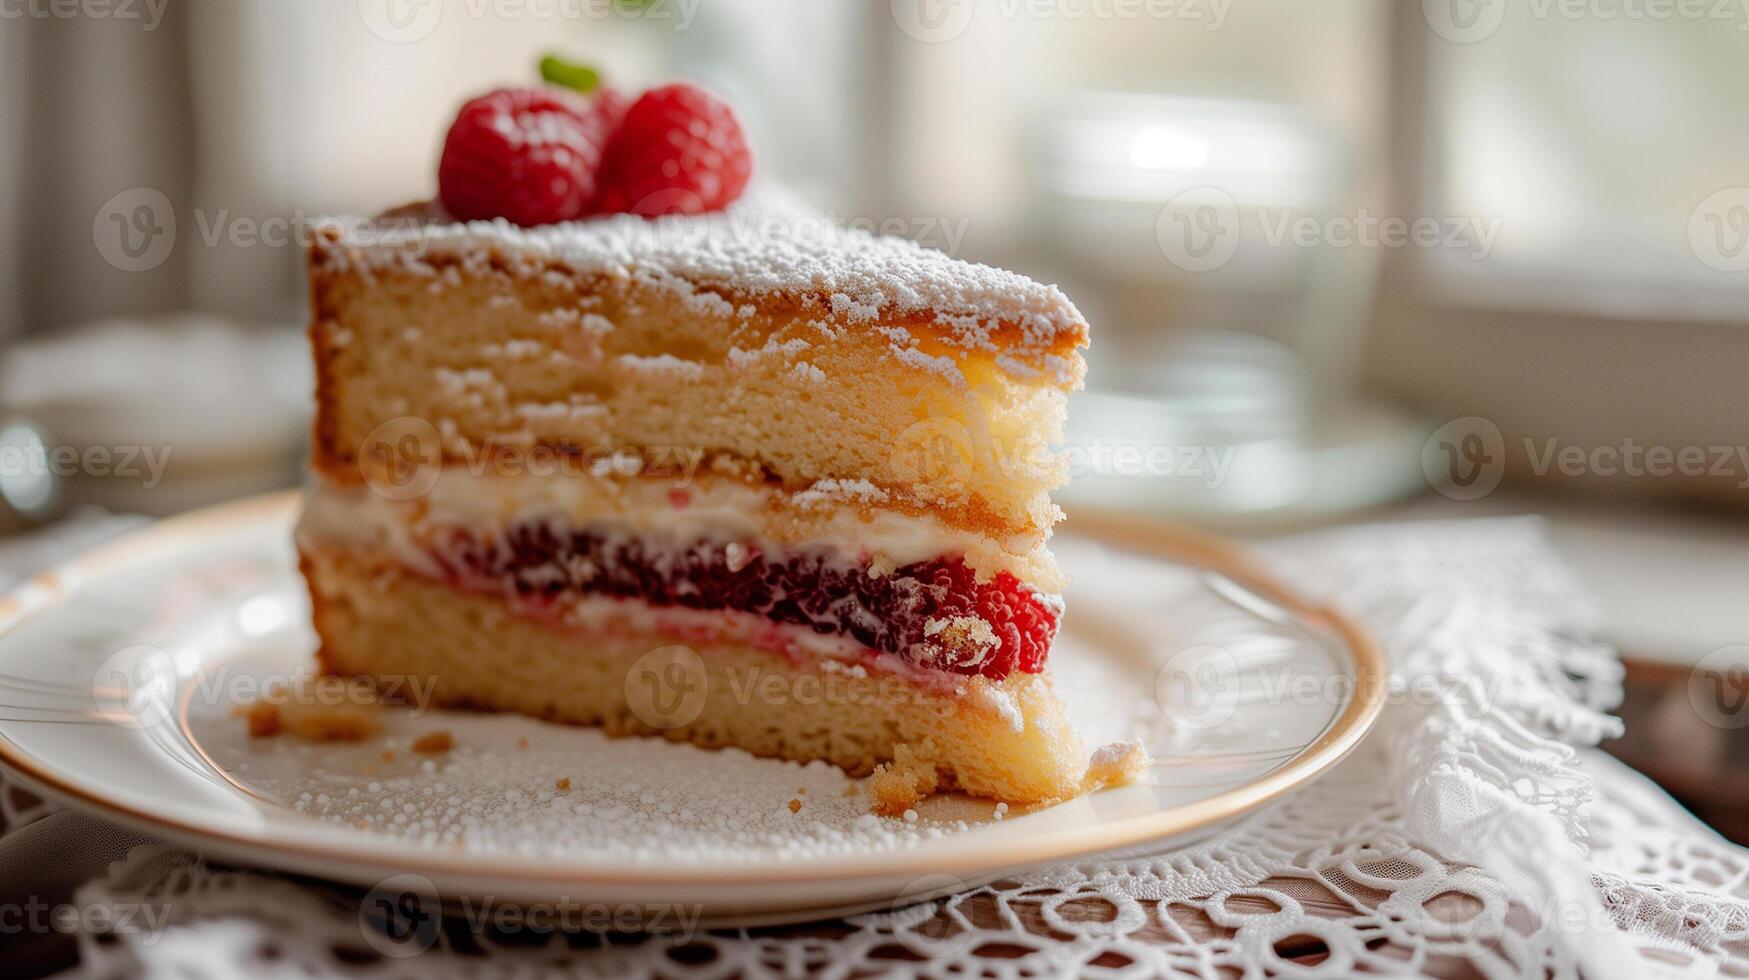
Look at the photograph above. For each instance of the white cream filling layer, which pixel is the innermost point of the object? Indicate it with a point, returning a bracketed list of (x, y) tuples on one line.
[(836, 517)]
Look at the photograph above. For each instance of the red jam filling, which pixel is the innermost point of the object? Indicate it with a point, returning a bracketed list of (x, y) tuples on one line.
[(919, 612)]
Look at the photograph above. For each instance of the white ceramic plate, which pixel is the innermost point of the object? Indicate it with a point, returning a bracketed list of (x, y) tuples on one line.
[(119, 674)]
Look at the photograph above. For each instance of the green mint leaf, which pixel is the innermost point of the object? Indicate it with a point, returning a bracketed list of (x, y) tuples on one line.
[(557, 71)]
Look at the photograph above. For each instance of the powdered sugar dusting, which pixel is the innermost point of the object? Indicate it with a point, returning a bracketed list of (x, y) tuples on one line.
[(745, 358), (512, 787), (759, 249), (941, 365), (839, 491), (660, 364)]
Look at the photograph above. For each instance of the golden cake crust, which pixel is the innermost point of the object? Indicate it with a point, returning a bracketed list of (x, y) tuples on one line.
[(503, 341)]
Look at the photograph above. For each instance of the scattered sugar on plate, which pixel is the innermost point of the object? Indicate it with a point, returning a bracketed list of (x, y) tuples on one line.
[(496, 792)]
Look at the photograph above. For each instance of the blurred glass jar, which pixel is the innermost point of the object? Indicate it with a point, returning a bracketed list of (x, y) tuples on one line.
[(1225, 355)]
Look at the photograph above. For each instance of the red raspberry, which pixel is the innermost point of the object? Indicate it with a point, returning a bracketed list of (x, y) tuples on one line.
[(607, 109), (679, 150), (529, 155)]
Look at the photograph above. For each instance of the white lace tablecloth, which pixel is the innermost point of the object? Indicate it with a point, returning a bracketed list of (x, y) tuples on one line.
[(1481, 835)]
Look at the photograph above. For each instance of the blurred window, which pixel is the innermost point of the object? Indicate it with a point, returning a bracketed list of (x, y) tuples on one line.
[(1603, 137)]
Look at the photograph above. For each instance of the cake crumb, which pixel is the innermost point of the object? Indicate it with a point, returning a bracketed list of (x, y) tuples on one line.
[(388, 755), (263, 720), (563, 785), (434, 743), (899, 784), (315, 709), (522, 741), (1117, 764), (850, 791), (795, 806), (969, 638)]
